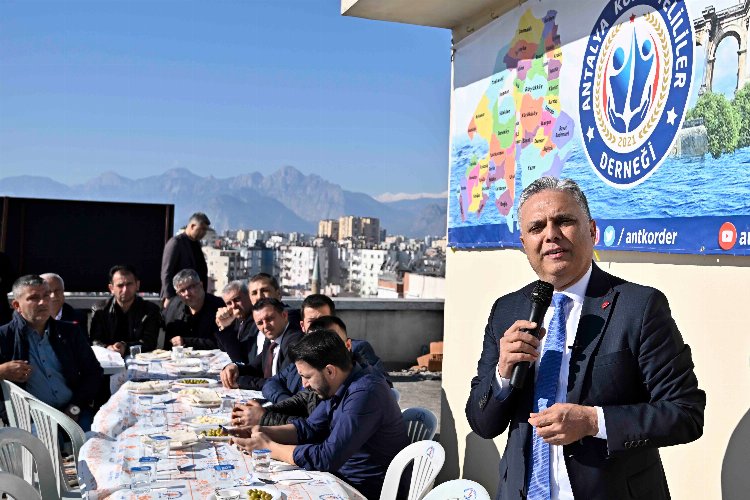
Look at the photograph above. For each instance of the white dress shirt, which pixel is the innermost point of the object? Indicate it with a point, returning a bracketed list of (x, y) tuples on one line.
[(560, 488)]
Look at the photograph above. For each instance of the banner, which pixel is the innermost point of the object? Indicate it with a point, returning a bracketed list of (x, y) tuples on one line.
[(621, 96)]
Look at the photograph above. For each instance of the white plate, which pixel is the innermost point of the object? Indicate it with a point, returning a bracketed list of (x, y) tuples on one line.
[(139, 388), (180, 363), (275, 494), (216, 438), (210, 382), (160, 355), (220, 419), (198, 354)]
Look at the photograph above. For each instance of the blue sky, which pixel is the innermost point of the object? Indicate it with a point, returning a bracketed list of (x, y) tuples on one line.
[(222, 88)]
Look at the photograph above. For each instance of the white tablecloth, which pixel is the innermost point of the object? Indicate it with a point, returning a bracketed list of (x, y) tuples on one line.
[(115, 445)]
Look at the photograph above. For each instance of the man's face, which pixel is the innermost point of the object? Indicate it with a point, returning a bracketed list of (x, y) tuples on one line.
[(33, 303), (238, 303), (262, 289), (315, 380), (56, 295), (310, 314), (124, 286), (196, 230), (192, 294), (557, 236), (271, 322)]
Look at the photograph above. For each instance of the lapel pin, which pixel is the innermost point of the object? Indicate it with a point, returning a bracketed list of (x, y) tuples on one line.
[(605, 304)]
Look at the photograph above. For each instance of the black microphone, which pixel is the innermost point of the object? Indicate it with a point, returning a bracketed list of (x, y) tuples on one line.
[(541, 297)]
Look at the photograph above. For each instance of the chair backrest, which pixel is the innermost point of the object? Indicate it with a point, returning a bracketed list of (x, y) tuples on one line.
[(47, 419), (460, 489), (16, 406), (15, 459), (15, 487), (421, 423), (428, 458), (13, 437)]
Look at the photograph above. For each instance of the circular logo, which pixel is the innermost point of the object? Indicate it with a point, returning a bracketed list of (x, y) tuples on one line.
[(634, 88), (727, 236), (609, 236)]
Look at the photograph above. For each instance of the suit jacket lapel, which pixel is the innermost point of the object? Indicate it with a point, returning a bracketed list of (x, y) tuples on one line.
[(595, 314)]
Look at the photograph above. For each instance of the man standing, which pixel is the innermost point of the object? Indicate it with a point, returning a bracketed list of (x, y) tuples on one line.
[(184, 252), (60, 310), (238, 333), (51, 359), (191, 321), (613, 380), (273, 322), (125, 319), (354, 433)]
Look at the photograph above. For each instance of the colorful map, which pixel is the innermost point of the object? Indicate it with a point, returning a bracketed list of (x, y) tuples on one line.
[(517, 128)]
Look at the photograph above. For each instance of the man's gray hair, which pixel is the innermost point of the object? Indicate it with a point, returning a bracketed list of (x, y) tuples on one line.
[(236, 285), (25, 282), (200, 218), (185, 276), (554, 184), (53, 276)]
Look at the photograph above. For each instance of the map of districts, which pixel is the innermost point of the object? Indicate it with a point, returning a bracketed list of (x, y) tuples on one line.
[(518, 132)]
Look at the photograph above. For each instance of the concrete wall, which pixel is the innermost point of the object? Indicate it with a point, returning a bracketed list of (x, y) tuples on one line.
[(397, 328), (708, 297)]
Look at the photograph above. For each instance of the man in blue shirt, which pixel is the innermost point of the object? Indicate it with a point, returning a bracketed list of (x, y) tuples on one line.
[(55, 361), (354, 433)]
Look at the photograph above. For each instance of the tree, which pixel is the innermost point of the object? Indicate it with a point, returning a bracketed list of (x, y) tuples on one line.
[(721, 122), (741, 104)]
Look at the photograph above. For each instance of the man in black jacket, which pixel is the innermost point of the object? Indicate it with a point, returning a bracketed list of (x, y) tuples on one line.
[(61, 311), (238, 334), (184, 252), (51, 359), (125, 319), (191, 320)]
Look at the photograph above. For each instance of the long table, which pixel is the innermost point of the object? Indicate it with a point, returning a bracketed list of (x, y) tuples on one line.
[(115, 445)]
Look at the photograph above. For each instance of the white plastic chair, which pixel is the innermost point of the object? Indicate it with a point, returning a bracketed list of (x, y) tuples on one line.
[(47, 419), (14, 487), (428, 458), (421, 423), (15, 459), (458, 489), (13, 437)]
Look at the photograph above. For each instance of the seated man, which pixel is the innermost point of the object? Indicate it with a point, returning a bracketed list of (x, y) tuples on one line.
[(50, 359), (238, 334), (60, 310), (354, 433), (273, 322), (125, 319), (287, 383), (191, 321), (304, 402)]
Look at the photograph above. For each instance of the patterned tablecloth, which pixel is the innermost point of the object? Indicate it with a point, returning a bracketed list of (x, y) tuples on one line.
[(116, 444)]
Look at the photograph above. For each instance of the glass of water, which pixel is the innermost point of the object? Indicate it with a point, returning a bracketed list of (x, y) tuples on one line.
[(135, 350), (224, 475), (159, 447), (159, 416), (178, 352), (262, 460), (140, 479)]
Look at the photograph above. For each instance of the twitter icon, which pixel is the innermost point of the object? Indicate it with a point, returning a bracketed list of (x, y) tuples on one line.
[(609, 236)]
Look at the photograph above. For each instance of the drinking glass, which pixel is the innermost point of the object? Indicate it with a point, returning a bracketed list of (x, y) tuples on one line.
[(159, 416), (227, 404), (178, 352), (135, 350), (140, 479), (205, 365), (224, 475), (159, 448), (262, 460)]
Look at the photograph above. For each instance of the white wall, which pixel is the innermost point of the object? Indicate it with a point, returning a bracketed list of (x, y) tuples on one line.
[(710, 301)]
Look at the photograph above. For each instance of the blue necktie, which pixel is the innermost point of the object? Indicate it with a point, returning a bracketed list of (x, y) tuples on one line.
[(545, 391)]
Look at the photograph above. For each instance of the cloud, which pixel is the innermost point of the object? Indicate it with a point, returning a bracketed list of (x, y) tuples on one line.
[(390, 197)]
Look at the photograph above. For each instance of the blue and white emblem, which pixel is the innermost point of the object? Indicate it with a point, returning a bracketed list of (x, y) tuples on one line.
[(635, 86)]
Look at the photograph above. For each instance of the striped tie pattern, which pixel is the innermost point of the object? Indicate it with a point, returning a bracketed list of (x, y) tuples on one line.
[(545, 391)]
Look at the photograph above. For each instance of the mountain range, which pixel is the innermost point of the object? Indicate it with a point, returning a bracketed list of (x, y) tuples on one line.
[(286, 200)]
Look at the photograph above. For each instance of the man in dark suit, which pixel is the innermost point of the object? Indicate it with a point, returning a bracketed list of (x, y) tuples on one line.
[(238, 334), (59, 309), (273, 322), (184, 252), (624, 379)]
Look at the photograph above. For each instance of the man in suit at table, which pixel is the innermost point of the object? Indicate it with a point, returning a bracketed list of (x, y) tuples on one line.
[(273, 322), (621, 377)]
